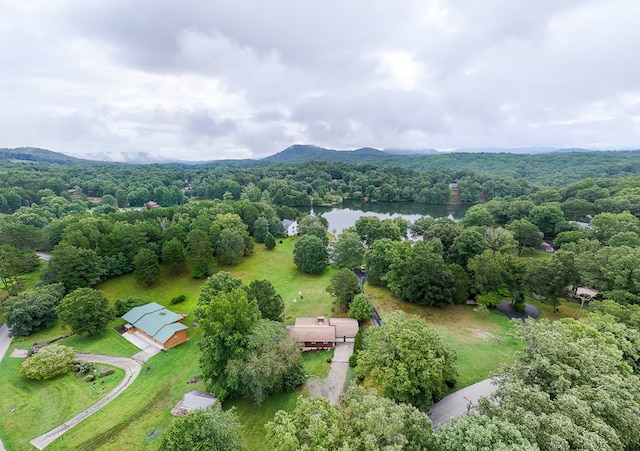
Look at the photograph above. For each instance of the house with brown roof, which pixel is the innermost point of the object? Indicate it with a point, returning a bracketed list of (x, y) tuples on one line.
[(156, 323), (323, 333)]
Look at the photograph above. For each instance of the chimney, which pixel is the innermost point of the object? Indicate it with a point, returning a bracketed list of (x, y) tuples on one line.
[(163, 312)]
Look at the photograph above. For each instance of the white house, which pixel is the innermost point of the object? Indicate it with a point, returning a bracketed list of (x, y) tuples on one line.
[(290, 227)]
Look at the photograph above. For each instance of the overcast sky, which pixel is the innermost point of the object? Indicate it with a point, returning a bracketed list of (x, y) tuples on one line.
[(203, 80)]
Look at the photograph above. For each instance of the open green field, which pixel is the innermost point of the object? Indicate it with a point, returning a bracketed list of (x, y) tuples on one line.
[(482, 341)]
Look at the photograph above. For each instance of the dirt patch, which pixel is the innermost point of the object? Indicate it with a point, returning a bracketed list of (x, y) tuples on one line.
[(479, 334)]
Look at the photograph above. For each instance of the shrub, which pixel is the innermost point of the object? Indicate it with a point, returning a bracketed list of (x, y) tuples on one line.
[(105, 372), (89, 378), (178, 299), (48, 362), (353, 360)]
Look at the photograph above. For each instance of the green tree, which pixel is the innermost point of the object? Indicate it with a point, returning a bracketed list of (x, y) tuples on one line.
[(200, 251), (226, 322), (220, 282), (420, 275), (310, 254), (406, 360), (85, 310), (605, 225), (13, 264), (467, 245), (147, 267), (363, 421), (343, 286), (230, 247), (48, 362), (361, 308), (74, 267), (210, 429), (348, 250), (271, 363), (269, 302), (174, 255), (32, 310), (546, 217), (378, 259), (260, 229), (269, 241), (477, 216), (501, 240), (478, 432), (526, 233), (569, 388)]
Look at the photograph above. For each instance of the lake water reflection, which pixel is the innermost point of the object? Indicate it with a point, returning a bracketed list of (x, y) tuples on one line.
[(346, 215)]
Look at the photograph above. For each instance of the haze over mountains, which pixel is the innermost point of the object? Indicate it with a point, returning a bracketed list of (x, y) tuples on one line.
[(296, 153)]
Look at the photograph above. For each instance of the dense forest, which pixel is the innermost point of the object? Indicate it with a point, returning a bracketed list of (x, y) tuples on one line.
[(100, 221)]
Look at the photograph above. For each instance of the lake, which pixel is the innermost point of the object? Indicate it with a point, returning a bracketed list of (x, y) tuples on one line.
[(342, 216)]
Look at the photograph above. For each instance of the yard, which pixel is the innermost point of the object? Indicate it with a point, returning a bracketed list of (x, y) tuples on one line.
[(137, 418)]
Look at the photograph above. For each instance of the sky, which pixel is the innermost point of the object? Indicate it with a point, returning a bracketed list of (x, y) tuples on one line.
[(212, 79)]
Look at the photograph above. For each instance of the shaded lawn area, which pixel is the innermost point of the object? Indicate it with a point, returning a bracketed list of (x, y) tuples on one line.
[(482, 341), (30, 408)]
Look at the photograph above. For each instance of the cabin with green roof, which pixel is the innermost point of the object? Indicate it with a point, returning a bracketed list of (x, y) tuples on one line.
[(156, 323)]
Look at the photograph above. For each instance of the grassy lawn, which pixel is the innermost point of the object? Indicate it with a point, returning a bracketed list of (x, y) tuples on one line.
[(482, 341), (308, 290), (315, 363), (254, 418), (30, 408)]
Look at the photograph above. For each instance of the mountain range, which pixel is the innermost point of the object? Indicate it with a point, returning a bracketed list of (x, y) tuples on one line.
[(297, 153)]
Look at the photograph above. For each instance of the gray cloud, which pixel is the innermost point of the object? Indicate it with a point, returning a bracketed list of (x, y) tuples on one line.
[(221, 79)]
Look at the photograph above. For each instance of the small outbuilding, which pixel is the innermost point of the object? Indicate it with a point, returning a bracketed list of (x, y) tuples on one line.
[(193, 400), (156, 323)]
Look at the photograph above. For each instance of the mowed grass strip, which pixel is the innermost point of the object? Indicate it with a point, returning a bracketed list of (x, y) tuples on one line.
[(30, 408), (482, 341)]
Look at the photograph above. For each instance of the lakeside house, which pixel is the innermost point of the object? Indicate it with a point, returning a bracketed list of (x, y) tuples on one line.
[(323, 333), (290, 227), (154, 322)]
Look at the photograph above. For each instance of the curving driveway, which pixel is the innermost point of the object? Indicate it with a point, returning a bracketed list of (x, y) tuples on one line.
[(131, 368), (460, 402)]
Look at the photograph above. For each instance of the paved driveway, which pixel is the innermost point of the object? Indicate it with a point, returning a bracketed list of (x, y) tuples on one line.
[(458, 403), (333, 386)]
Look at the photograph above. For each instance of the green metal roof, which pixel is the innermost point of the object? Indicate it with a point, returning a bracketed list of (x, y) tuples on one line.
[(155, 321), (168, 330)]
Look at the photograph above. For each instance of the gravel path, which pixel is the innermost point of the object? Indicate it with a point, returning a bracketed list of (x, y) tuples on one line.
[(333, 386), (132, 369)]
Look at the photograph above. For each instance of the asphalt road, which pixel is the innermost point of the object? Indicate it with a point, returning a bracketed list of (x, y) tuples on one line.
[(458, 403)]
